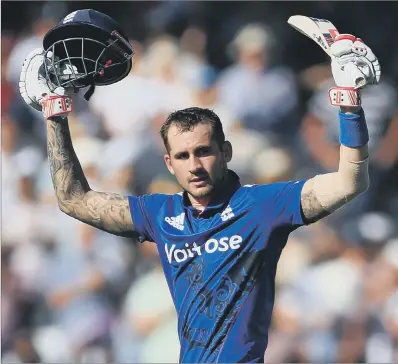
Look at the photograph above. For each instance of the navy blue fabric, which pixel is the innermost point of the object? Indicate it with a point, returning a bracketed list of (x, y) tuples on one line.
[(80, 17), (96, 18), (220, 264)]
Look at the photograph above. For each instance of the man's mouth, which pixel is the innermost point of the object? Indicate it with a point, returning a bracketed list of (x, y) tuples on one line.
[(198, 179)]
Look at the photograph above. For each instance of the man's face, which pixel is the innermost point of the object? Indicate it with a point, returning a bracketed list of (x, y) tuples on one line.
[(255, 59), (196, 159)]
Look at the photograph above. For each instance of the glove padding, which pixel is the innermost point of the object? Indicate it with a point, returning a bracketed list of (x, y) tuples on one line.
[(35, 91), (354, 66)]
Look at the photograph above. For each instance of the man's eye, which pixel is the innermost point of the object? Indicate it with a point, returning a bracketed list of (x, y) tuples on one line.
[(203, 152)]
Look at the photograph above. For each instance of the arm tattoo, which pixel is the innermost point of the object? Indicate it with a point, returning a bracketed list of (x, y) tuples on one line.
[(106, 211), (311, 208), (66, 173)]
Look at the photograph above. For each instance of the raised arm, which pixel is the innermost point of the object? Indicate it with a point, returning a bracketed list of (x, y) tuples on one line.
[(353, 65), (106, 211), (325, 193)]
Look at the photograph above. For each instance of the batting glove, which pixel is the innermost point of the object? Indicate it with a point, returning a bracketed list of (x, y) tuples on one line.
[(354, 66), (35, 91)]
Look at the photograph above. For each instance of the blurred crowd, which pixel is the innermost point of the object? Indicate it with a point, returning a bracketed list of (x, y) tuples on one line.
[(71, 293)]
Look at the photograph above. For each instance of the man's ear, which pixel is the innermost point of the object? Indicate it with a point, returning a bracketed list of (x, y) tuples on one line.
[(227, 151), (167, 160)]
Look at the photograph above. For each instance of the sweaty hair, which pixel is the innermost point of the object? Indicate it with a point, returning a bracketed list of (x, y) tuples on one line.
[(186, 119)]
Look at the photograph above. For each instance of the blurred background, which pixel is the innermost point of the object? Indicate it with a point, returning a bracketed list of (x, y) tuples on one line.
[(70, 293)]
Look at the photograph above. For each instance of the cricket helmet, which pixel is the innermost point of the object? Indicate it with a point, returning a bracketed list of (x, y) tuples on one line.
[(87, 48)]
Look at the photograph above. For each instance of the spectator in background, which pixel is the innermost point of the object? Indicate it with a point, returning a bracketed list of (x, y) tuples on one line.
[(278, 165), (25, 220), (25, 225), (7, 89), (152, 155), (368, 333), (33, 39), (17, 310), (9, 175), (78, 270), (262, 95), (192, 60), (28, 120), (161, 65), (125, 107), (307, 308), (207, 95), (151, 313)]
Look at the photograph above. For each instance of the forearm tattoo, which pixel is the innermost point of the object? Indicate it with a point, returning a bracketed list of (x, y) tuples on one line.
[(106, 211), (311, 207), (66, 173)]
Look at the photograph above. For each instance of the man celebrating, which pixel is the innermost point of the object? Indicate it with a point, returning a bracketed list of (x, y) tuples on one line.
[(219, 242)]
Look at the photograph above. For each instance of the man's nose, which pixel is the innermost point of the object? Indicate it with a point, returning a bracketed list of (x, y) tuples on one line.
[(195, 164)]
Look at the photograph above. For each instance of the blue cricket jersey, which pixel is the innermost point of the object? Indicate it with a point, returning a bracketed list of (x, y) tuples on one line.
[(220, 264)]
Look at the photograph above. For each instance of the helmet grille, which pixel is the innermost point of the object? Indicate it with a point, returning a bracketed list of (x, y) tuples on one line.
[(79, 62)]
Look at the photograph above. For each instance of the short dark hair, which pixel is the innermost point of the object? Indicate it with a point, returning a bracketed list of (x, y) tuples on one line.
[(187, 119)]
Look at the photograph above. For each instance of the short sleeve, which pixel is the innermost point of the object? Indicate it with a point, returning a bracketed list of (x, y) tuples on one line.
[(281, 201), (144, 210)]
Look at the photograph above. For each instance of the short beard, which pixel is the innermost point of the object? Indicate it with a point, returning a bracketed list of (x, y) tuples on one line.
[(209, 193), (215, 189)]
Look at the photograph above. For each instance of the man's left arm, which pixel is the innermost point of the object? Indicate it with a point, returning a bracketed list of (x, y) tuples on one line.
[(323, 194)]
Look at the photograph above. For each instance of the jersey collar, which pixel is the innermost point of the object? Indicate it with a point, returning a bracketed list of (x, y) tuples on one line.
[(220, 200)]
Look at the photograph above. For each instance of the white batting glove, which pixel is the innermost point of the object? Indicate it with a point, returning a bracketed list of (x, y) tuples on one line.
[(354, 66), (34, 89)]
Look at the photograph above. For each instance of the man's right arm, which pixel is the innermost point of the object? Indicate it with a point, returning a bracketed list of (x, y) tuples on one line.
[(106, 211)]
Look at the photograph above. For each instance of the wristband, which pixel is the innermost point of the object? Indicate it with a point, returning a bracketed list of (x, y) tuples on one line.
[(55, 105), (353, 129)]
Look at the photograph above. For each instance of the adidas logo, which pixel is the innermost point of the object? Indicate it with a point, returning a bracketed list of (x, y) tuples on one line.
[(177, 222), (70, 17), (227, 214)]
